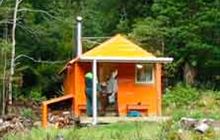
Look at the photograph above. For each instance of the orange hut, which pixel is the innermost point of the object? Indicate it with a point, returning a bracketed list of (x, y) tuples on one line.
[(139, 78)]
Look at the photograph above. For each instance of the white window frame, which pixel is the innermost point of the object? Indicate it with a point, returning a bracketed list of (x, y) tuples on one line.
[(146, 82)]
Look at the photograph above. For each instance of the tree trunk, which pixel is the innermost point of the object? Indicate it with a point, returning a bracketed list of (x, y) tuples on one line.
[(13, 51), (189, 74), (4, 85), (1, 76)]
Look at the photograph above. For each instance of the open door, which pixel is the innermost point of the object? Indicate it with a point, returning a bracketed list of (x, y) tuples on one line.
[(108, 103)]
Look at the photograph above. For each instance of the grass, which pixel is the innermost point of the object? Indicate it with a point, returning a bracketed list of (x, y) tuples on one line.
[(185, 101), (119, 131), (207, 105), (180, 101)]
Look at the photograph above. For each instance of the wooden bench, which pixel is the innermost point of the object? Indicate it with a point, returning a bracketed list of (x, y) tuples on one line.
[(143, 108)]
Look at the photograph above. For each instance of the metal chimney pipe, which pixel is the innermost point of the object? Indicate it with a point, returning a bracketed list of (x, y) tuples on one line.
[(79, 35)]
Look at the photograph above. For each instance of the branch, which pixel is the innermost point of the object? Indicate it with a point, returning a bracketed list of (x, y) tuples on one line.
[(4, 21), (9, 21), (100, 37), (1, 1), (29, 30), (38, 61), (19, 1), (38, 11)]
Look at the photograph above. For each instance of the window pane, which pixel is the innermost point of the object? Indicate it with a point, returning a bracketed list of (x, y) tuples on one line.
[(149, 73), (144, 73)]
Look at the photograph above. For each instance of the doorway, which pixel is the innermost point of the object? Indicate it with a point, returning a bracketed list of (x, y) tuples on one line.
[(107, 75)]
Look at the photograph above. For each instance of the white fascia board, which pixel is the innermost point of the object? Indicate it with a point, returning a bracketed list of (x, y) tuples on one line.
[(128, 60)]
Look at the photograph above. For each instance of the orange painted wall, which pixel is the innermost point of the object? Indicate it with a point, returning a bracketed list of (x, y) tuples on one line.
[(128, 91), (69, 82), (131, 93), (80, 99), (75, 84)]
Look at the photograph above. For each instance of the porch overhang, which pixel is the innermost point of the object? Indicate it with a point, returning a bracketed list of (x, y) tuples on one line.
[(127, 60)]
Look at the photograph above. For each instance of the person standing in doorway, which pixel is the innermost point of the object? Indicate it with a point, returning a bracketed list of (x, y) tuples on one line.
[(89, 91), (112, 88), (103, 98)]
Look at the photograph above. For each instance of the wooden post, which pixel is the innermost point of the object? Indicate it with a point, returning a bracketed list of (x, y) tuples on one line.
[(44, 115), (94, 94), (158, 89)]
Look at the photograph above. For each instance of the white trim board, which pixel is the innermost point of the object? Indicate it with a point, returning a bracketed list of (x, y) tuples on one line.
[(128, 60)]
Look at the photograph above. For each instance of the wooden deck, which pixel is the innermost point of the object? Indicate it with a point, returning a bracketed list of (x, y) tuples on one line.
[(86, 120)]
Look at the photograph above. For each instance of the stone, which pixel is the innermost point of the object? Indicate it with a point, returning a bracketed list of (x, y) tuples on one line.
[(37, 124), (1, 121)]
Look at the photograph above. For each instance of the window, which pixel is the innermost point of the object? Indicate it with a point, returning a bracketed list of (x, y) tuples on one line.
[(144, 73)]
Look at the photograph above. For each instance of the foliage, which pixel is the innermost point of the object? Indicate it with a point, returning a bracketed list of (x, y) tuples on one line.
[(185, 101), (171, 130), (180, 95), (36, 96), (185, 30), (28, 113), (182, 29)]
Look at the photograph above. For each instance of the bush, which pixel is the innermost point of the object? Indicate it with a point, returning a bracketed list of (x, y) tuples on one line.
[(186, 101), (35, 95), (172, 130), (180, 95), (28, 113)]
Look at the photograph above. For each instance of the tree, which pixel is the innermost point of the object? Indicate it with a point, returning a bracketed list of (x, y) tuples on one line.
[(189, 30), (17, 2), (4, 53)]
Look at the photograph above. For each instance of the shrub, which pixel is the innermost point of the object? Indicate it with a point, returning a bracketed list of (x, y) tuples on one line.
[(35, 95), (185, 101), (28, 113), (172, 130), (180, 95)]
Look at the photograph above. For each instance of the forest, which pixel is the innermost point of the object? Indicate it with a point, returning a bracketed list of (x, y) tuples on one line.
[(37, 39)]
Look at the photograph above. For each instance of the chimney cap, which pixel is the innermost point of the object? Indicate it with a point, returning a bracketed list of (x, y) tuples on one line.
[(78, 18)]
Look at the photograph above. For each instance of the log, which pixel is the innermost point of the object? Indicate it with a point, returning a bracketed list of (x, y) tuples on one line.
[(188, 123), (202, 127)]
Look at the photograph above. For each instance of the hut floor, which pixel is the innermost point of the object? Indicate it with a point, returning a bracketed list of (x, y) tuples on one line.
[(108, 119)]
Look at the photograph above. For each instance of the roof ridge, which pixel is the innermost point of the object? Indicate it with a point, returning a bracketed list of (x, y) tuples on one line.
[(120, 44), (105, 42), (138, 47)]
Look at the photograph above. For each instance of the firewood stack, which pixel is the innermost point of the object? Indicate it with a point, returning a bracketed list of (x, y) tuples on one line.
[(13, 124), (63, 119)]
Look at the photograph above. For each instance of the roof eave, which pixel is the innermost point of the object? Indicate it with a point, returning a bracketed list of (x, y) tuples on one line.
[(69, 63), (128, 60)]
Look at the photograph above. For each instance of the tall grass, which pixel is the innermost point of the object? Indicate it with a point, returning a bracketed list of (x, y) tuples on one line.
[(119, 131), (186, 101)]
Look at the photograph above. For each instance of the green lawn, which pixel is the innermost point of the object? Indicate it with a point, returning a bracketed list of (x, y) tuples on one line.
[(119, 131), (179, 102)]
